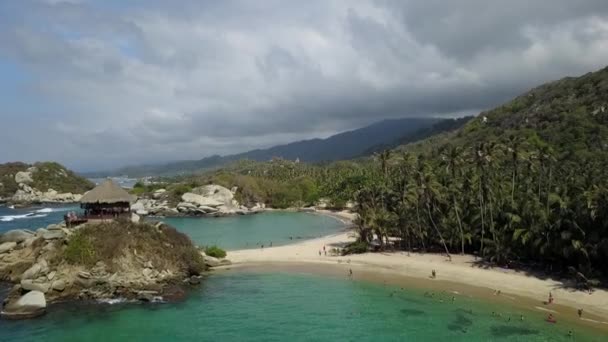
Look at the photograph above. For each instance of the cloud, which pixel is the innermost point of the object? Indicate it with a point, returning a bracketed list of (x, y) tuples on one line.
[(96, 84)]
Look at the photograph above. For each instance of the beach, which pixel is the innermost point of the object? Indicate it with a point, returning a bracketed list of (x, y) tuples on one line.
[(515, 286)]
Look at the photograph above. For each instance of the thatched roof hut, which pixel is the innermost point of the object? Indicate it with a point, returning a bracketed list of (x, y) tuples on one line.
[(107, 193)]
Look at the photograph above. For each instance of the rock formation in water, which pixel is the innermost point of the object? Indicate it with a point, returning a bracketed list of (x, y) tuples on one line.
[(97, 261), (208, 200)]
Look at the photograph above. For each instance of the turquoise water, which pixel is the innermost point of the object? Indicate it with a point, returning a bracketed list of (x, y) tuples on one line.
[(296, 307), (252, 231), (33, 217)]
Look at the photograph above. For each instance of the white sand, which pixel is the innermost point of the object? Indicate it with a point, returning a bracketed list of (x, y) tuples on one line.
[(460, 270)]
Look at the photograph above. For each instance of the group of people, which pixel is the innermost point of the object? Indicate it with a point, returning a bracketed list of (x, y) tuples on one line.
[(324, 251)]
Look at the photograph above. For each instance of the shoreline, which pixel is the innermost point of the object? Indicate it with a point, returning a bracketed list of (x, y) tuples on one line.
[(517, 286)]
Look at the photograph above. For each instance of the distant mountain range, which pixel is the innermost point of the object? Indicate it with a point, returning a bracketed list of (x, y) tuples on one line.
[(342, 146)]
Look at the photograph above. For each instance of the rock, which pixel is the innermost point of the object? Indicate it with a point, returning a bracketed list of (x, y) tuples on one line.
[(7, 247), (208, 209), (84, 275), (225, 262), (146, 296), (211, 261), (139, 205), (41, 231), (28, 284), (159, 193), (54, 227), (28, 242), (147, 272), (58, 285), (32, 304), (199, 200), (53, 234), (23, 177), (135, 218), (142, 212), (32, 273), (174, 293), (194, 280), (148, 264), (51, 275), (16, 235)]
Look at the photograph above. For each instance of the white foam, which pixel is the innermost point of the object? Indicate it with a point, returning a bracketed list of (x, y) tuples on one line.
[(45, 210), (9, 218), (112, 301)]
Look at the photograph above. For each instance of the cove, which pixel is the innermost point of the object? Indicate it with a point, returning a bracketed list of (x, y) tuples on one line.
[(247, 306), (252, 231)]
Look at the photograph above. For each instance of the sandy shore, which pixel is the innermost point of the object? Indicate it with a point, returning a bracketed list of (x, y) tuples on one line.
[(461, 270)]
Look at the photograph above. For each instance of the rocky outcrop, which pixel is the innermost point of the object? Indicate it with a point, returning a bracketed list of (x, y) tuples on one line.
[(16, 235), (24, 177), (27, 194), (149, 206), (126, 273), (208, 200), (213, 200), (31, 304)]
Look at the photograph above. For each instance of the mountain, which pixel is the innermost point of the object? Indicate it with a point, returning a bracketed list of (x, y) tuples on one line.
[(341, 146), (443, 126)]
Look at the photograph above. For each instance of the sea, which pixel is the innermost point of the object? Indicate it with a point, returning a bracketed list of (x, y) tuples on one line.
[(33, 218), (280, 305)]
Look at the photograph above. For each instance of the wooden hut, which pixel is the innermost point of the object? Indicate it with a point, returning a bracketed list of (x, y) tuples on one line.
[(106, 201)]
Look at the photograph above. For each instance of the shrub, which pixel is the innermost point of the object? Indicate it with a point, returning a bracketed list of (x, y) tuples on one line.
[(215, 251), (80, 250), (357, 247)]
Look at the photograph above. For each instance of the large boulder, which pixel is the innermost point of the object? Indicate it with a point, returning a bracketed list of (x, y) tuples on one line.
[(53, 234), (23, 177), (199, 200), (16, 235), (215, 192), (28, 284), (7, 247), (31, 304)]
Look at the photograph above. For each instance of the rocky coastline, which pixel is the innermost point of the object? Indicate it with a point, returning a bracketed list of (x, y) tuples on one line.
[(52, 265), (207, 201)]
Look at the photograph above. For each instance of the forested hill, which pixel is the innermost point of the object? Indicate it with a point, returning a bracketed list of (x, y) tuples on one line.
[(524, 182), (341, 146)]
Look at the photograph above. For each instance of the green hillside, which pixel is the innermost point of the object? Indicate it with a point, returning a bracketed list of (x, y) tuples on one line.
[(45, 176), (522, 184)]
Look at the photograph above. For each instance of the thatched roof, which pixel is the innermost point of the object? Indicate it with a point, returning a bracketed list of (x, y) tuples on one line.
[(107, 192)]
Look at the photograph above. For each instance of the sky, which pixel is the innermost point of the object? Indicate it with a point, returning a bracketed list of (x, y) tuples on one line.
[(101, 84)]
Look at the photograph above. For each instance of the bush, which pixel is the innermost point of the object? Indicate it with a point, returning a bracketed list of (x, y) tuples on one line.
[(80, 250), (357, 247), (215, 251)]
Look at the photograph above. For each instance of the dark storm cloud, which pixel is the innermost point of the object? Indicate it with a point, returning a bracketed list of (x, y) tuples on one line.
[(156, 80)]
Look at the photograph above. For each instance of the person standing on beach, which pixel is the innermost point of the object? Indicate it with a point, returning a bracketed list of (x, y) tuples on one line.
[(580, 313), (550, 298), (350, 272)]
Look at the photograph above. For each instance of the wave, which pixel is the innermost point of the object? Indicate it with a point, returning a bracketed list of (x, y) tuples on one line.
[(112, 301), (9, 218), (54, 210)]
